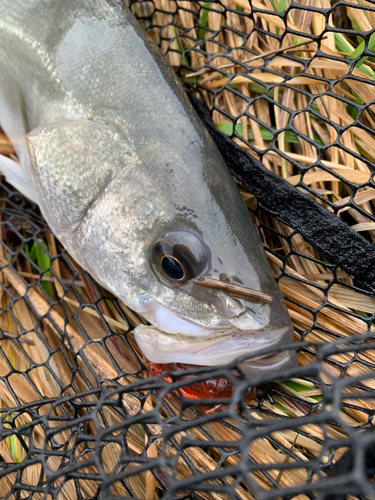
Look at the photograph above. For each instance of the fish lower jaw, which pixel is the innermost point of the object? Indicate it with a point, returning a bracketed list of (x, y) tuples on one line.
[(218, 348)]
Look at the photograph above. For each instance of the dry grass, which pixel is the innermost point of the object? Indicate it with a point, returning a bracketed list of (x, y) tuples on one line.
[(325, 312)]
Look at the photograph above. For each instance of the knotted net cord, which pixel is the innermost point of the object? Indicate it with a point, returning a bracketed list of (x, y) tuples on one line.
[(80, 418)]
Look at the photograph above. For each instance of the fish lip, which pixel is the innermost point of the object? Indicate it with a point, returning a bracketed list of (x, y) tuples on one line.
[(220, 348), (168, 321), (173, 339), (274, 364)]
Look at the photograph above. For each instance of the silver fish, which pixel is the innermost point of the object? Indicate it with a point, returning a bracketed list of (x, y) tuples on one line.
[(131, 183)]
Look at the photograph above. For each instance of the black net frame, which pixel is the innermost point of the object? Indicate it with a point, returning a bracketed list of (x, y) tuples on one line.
[(80, 418)]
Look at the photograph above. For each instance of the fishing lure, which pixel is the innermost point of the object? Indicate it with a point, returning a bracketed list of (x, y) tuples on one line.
[(220, 387)]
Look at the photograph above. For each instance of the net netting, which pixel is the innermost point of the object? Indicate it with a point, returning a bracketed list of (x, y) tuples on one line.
[(292, 83)]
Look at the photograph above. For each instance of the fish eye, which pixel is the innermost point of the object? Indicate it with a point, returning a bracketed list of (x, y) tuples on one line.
[(178, 257), (172, 267)]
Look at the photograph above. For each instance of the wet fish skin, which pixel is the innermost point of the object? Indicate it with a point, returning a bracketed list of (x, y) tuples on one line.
[(118, 160)]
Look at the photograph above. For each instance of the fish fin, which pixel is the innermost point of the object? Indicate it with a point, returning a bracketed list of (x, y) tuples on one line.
[(14, 123), (15, 175)]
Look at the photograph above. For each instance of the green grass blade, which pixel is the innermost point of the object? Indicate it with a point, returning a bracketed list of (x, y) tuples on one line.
[(203, 20), (41, 258), (227, 129)]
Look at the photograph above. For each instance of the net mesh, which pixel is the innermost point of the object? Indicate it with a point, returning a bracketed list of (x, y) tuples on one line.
[(292, 83)]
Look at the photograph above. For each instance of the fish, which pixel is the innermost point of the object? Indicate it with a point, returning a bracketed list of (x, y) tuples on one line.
[(131, 183)]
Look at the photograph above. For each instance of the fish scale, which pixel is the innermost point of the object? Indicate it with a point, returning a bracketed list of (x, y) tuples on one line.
[(130, 181)]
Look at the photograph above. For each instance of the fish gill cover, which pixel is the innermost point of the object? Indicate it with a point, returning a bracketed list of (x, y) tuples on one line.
[(292, 83)]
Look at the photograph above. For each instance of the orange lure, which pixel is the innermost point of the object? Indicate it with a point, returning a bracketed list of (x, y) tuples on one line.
[(220, 387)]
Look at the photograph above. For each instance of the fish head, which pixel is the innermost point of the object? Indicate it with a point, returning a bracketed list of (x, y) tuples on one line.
[(210, 234), (148, 220)]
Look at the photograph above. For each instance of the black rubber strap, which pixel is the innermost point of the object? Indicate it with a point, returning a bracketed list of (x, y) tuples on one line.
[(326, 232), (344, 466)]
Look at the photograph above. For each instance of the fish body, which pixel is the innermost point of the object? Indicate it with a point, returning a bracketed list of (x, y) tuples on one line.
[(130, 181)]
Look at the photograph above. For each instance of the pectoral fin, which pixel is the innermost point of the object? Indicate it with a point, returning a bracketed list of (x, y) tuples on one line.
[(13, 121), (15, 175)]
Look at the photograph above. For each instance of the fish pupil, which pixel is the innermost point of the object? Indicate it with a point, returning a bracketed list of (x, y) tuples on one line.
[(172, 268)]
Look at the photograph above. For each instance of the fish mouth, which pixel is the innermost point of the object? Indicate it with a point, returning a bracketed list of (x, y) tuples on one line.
[(216, 347)]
